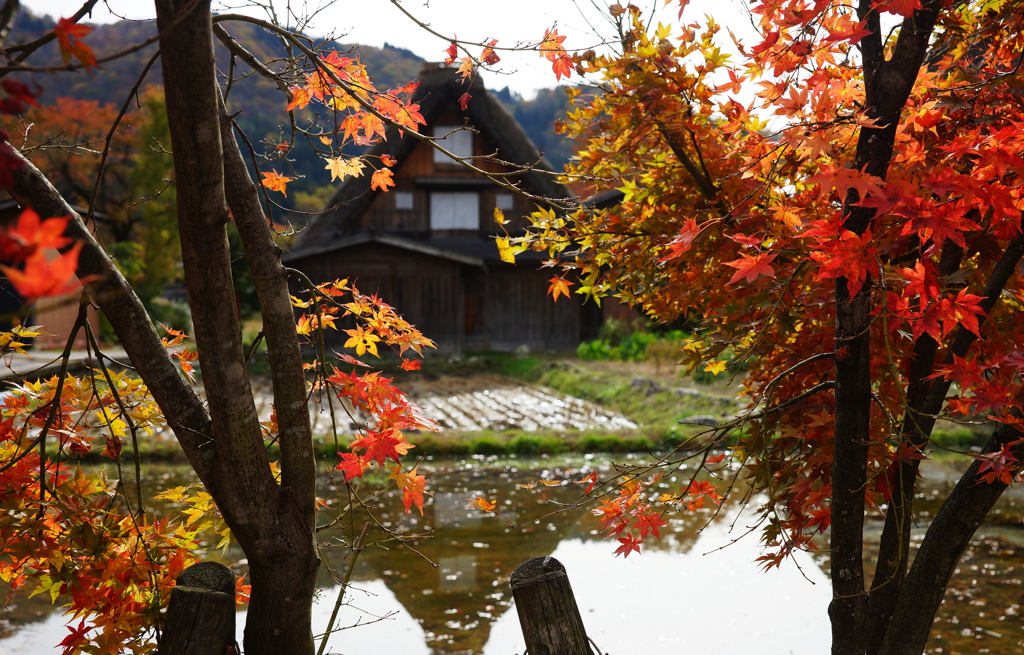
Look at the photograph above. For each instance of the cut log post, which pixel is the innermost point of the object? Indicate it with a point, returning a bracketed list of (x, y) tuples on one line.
[(548, 614), (201, 614)]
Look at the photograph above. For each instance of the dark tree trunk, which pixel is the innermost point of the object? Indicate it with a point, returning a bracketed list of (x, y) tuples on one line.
[(273, 523), (888, 84)]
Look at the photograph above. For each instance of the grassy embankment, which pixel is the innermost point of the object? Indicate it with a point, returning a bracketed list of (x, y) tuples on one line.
[(656, 398)]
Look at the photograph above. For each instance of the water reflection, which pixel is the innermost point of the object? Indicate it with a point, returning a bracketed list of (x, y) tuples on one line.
[(683, 591), (686, 593)]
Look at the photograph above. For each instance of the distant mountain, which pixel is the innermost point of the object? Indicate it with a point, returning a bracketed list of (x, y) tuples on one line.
[(263, 115), (538, 116)]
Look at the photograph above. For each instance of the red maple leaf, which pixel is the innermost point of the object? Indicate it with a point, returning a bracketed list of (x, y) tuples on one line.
[(488, 56), (69, 37), (451, 52), (751, 267), (963, 309), (353, 465), (850, 256), (79, 636), (29, 234), (410, 365), (649, 522), (380, 446), (628, 544)]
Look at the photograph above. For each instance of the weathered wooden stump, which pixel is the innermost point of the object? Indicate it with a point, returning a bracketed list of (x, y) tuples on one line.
[(548, 614), (201, 614)]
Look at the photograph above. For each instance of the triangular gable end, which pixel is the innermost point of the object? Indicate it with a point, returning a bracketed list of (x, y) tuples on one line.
[(435, 197)]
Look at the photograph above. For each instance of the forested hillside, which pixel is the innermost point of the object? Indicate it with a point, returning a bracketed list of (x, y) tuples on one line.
[(264, 121)]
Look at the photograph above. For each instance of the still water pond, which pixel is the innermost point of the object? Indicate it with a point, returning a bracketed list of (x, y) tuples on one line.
[(695, 591)]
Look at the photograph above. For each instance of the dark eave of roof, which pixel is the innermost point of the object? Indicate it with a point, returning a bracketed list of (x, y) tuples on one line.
[(423, 247)]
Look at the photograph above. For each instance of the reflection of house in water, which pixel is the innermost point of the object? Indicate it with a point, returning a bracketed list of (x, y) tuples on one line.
[(457, 602), (456, 574)]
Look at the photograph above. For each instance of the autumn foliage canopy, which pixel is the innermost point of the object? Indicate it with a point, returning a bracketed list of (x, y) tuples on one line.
[(837, 205)]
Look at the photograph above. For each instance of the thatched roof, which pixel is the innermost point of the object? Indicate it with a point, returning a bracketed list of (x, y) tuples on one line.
[(439, 89)]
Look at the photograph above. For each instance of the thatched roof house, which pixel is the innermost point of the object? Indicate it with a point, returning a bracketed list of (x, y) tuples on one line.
[(427, 246)]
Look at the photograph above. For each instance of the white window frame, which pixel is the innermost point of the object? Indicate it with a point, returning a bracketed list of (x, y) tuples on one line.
[(454, 210), (455, 139), (405, 200)]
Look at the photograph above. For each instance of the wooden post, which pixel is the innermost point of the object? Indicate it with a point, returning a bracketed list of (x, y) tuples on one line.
[(548, 614), (201, 614)]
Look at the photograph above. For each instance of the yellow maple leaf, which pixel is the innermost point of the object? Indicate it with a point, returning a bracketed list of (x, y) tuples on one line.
[(342, 167), (715, 367)]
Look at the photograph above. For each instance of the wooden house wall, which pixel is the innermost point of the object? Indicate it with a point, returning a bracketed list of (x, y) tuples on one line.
[(57, 315), (519, 312), (460, 307), (425, 290)]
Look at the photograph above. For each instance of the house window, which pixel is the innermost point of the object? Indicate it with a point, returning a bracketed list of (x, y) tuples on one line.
[(455, 140), (403, 200), (454, 210), (503, 201)]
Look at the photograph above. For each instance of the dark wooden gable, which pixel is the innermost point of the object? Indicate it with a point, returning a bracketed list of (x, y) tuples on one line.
[(426, 185)]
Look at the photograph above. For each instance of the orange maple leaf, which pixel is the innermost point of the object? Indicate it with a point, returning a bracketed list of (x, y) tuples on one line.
[(559, 287), (45, 278), (69, 37), (551, 49), (276, 182), (382, 179), (481, 504), (412, 485), (843, 179), (301, 96)]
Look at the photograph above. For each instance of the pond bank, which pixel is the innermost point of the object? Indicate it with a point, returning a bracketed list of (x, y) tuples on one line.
[(504, 404)]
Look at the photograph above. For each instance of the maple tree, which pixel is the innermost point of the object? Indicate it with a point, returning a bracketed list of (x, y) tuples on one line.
[(79, 537), (839, 205)]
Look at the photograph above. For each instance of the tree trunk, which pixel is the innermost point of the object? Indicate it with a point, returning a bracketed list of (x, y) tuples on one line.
[(273, 523), (944, 544)]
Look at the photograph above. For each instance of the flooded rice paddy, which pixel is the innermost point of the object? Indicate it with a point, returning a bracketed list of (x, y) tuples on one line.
[(476, 404), (697, 590)]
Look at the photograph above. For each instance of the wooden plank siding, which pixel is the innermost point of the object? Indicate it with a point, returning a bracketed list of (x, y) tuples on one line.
[(424, 290), (458, 306)]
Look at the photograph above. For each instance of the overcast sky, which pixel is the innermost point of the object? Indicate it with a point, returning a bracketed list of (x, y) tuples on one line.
[(376, 22)]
